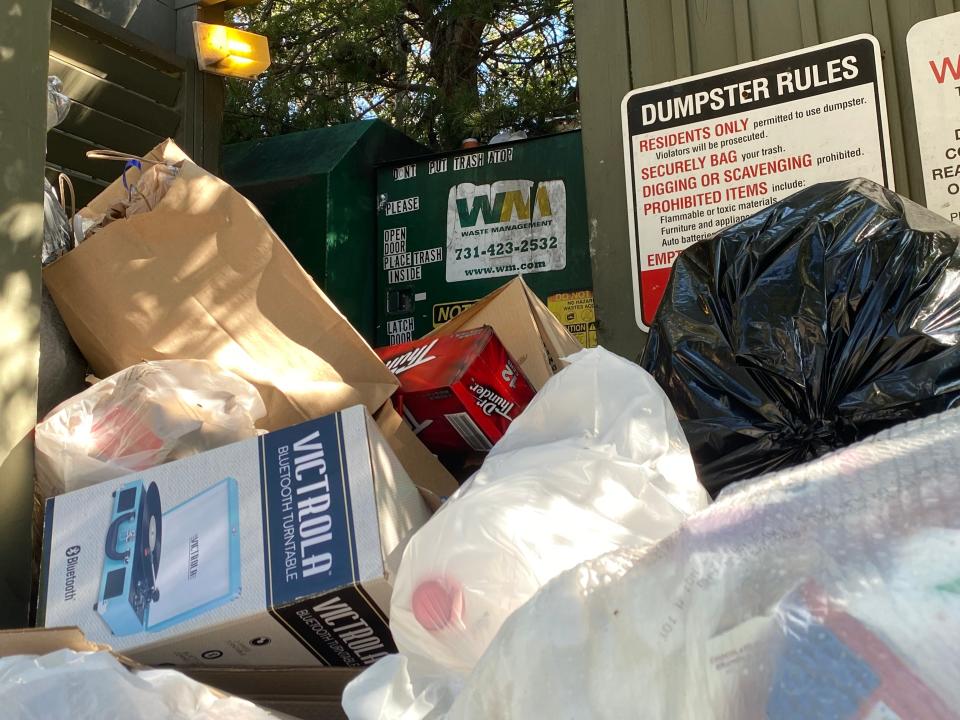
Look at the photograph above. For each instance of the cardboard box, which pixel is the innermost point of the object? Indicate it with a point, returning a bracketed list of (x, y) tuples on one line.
[(310, 693), (459, 392), (274, 551), (533, 337)]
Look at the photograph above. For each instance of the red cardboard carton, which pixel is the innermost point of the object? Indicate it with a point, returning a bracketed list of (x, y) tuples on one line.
[(460, 392)]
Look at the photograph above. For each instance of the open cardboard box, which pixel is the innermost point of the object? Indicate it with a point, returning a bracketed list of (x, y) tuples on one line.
[(307, 693), (528, 330)]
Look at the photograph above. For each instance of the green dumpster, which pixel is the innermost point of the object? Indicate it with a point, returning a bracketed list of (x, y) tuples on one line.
[(317, 190), (454, 227)]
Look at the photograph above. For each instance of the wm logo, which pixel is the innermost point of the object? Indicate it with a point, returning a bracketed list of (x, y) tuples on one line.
[(504, 207)]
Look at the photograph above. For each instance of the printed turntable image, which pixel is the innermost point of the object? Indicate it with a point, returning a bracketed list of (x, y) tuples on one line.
[(164, 568)]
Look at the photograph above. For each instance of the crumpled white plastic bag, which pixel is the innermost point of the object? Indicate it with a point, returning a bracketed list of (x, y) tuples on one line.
[(58, 104), (57, 238), (386, 690), (68, 685), (597, 461), (146, 415), (830, 590)]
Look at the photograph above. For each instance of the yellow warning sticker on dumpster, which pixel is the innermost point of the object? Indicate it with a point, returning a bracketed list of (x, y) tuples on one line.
[(448, 311), (575, 311)]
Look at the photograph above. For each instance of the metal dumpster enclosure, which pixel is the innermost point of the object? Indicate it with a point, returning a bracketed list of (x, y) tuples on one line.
[(453, 227)]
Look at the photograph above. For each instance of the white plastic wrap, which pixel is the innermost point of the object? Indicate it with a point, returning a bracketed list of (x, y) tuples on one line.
[(597, 461), (67, 685), (148, 414), (57, 234), (58, 104), (831, 590)]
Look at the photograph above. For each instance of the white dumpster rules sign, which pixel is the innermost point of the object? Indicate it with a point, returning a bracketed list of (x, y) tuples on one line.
[(708, 151), (933, 47)]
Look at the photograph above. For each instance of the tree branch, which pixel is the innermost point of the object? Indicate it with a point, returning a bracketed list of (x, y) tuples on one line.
[(506, 38)]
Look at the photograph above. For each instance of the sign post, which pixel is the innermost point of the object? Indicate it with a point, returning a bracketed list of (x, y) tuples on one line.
[(708, 151), (933, 47)]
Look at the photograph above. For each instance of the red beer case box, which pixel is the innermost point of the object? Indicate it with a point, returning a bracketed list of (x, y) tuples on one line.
[(460, 392)]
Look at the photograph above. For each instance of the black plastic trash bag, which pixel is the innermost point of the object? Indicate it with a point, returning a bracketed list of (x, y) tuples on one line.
[(815, 323)]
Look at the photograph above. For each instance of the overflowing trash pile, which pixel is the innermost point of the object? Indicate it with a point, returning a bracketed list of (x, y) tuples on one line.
[(490, 521)]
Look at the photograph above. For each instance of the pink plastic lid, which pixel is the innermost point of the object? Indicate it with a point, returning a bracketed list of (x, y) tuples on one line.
[(437, 603)]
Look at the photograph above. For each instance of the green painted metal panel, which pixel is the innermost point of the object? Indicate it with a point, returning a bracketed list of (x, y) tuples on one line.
[(118, 67), (86, 87), (67, 150), (103, 129), (670, 39), (408, 290), (317, 190), (23, 38), (600, 97)]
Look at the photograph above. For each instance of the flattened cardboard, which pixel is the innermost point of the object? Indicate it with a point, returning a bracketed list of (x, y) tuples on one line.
[(40, 641), (525, 326)]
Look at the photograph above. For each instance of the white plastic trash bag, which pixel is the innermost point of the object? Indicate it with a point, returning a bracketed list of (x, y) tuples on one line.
[(830, 590), (68, 685), (148, 414), (597, 461)]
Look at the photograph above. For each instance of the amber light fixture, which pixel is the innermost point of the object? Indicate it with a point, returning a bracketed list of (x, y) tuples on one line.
[(231, 52)]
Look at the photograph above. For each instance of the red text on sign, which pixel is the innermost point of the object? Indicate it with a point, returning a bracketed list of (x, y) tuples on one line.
[(946, 64)]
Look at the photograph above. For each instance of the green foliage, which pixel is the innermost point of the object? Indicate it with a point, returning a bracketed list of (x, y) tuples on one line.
[(440, 70)]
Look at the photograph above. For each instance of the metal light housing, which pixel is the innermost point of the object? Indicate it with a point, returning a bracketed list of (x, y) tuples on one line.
[(230, 52)]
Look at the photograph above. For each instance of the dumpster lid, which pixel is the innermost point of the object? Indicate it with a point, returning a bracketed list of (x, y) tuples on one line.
[(306, 153)]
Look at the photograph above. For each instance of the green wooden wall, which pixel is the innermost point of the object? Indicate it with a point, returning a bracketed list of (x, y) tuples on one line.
[(24, 30)]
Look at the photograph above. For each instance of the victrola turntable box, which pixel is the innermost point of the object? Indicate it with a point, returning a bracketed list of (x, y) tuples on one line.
[(460, 392), (273, 551)]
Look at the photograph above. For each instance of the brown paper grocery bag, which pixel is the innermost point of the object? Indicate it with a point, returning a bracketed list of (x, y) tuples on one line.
[(202, 275)]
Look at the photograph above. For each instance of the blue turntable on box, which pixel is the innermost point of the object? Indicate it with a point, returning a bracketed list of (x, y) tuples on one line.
[(131, 558), (201, 569)]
